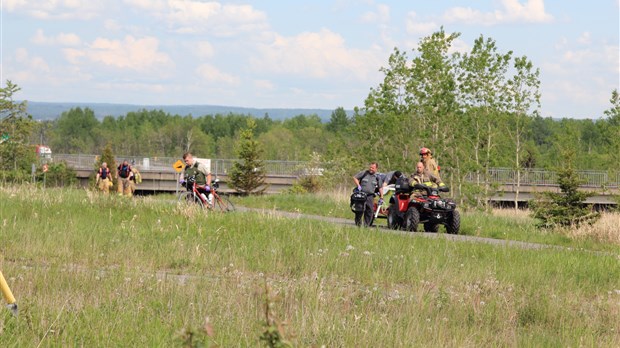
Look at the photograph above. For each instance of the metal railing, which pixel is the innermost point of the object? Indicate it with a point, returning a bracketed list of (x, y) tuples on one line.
[(540, 177), (502, 176), (164, 164)]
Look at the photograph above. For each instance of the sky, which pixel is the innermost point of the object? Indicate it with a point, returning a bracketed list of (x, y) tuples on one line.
[(291, 54)]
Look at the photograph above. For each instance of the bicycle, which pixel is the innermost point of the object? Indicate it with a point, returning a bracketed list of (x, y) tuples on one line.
[(194, 197)]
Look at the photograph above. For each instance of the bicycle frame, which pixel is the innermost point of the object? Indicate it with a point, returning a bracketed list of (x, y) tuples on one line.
[(219, 203)]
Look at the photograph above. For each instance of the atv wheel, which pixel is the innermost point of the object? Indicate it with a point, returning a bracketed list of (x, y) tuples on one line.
[(393, 220), (431, 227), (454, 223), (412, 219)]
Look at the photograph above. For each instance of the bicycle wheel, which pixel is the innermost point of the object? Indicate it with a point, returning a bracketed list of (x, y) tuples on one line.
[(222, 204), (189, 199)]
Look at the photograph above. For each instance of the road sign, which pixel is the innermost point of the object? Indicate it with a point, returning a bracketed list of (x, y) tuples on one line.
[(178, 166), (45, 168)]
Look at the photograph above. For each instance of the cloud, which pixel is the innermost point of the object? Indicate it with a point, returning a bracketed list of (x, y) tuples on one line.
[(264, 85), (585, 38), (204, 49), (417, 27), (64, 39), (56, 9), (512, 11), (316, 55), (460, 46), (380, 15), (112, 25), (594, 66), (141, 55), (195, 17), (211, 74), (33, 64)]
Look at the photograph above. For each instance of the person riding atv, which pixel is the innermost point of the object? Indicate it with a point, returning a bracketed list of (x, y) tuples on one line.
[(417, 200)]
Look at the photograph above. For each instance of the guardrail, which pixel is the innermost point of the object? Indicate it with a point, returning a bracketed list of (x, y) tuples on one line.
[(502, 176), (164, 164), (540, 177)]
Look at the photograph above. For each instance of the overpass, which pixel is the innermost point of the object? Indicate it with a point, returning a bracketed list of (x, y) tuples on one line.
[(158, 175)]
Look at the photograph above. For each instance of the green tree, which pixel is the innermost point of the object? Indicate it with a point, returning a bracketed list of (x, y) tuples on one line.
[(75, 131), (338, 121), (523, 92), (482, 86), (613, 133), (247, 175), (15, 130), (567, 208)]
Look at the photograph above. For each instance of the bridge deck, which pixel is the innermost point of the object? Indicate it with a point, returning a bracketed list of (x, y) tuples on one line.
[(159, 176)]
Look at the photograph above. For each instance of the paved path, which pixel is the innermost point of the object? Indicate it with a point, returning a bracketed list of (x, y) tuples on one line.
[(453, 237)]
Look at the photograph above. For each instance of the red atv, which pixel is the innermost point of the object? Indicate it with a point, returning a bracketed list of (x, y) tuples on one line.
[(407, 211)]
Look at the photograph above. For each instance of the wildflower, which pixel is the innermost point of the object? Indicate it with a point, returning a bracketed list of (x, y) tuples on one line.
[(367, 253), (349, 248)]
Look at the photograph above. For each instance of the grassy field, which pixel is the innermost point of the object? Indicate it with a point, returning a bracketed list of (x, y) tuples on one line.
[(506, 224), (89, 270)]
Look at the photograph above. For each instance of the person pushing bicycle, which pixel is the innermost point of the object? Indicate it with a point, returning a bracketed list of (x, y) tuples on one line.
[(201, 174)]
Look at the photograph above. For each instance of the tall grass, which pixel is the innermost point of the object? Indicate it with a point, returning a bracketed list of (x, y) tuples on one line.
[(506, 224), (90, 270)]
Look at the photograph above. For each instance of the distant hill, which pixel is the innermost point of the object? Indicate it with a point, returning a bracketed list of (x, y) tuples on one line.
[(50, 111)]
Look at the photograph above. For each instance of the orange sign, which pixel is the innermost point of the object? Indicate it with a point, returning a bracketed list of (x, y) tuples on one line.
[(178, 166), (45, 168)]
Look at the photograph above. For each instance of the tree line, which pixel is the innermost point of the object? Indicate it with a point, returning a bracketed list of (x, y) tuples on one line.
[(475, 110)]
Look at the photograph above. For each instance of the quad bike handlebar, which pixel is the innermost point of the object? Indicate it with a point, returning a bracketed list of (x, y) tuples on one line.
[(431, 191)]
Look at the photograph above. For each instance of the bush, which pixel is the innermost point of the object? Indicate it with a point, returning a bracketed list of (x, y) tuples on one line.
[(567, 208), (58, 175)]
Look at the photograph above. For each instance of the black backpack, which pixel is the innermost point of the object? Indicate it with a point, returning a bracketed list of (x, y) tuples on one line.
[(402, 185), (358, 199)]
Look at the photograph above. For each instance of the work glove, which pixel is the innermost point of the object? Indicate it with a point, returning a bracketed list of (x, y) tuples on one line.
[(380, 201), (359, 187)]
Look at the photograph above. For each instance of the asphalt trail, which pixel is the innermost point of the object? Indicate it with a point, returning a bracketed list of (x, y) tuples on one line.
[(452, 237)]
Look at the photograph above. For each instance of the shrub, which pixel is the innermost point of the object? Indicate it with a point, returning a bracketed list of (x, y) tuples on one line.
[(567, 208)]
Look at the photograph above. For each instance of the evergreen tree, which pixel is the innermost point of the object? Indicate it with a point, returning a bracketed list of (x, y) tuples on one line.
[(247, 175), (567, 208)]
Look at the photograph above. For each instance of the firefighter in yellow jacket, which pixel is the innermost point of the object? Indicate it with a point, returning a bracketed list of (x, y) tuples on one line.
[(426, 157), (425, 177)]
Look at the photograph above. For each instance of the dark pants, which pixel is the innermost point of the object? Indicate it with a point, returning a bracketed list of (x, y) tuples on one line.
[(368, 214)]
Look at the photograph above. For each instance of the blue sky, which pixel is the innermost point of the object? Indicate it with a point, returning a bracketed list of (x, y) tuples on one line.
[(291, 54)]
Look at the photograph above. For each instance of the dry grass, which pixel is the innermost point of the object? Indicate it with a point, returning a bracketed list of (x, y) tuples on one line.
[(606, 229), (519, 214)]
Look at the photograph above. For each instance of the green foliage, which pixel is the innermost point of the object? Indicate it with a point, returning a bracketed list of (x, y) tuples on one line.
[(273, 334), (16, 126), (311, 176), (339, 121), (58, 175), (611, 131), (247, 175), (567, 208), (190, 337), (74, 131)]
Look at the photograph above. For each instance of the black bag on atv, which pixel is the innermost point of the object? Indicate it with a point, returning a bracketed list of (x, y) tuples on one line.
[(358, 199), (402, 185)]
